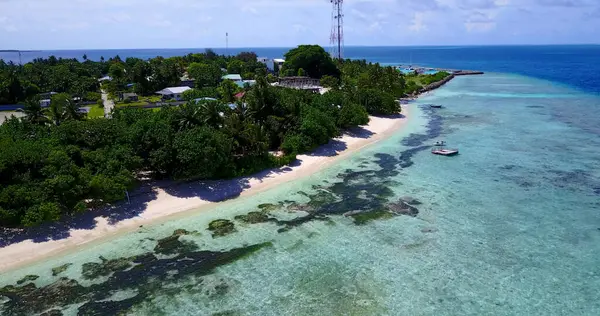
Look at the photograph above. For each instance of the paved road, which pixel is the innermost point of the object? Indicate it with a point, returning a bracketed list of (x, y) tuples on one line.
[(109, 105), (6, 114)]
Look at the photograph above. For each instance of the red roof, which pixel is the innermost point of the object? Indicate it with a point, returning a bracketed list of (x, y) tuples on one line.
[(240, 95)]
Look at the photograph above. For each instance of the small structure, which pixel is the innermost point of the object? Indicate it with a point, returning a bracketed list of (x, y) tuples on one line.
[(46, 98), (300, 83), (204, 99), (129, 96), (240, 95), (47, 95), (278, 62), (45, 103), (105, 78), (186, 81), (173, 93)]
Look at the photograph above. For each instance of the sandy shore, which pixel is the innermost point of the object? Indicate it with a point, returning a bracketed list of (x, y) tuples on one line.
[(159, 203)]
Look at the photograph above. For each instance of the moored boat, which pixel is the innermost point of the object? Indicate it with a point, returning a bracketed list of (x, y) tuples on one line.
[(444, 152)]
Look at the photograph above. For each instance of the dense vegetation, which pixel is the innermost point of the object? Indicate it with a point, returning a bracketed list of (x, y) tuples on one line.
[(56, 161)]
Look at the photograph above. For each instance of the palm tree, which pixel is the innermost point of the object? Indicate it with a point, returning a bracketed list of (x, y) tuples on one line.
[(63, 108), (189, 116), (34, 113), (212, 113)]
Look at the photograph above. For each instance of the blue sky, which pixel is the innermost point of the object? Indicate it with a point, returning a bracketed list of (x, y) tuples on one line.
[(73, 24)]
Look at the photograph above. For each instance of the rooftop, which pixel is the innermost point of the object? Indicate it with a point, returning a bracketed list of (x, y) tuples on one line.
[(174, 90), (234, 77)]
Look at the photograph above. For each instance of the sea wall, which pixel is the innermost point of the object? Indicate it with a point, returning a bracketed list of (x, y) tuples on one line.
[(436, 85)]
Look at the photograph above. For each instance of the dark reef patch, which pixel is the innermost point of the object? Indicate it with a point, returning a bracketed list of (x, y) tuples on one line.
[(148, 276), (221, 227), (94, 270), (58, 270), (28, 278), (254, 218), (172, 245)]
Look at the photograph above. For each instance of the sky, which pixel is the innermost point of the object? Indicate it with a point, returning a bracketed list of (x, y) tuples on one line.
[(104, 24)]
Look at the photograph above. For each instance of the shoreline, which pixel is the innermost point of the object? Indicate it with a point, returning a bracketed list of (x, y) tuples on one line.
[(164, 205)]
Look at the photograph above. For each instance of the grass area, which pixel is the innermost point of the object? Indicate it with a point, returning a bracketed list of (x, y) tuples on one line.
[(142, 101), (96, 111)]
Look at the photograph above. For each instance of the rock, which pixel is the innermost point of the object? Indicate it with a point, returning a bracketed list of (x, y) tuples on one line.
[(27, 278), (221, 227), (403, 208), (410, 200), (172, 245), (58, 270), (362, 218), (94, 270), (253, 218), (352, 213), (267, 207)]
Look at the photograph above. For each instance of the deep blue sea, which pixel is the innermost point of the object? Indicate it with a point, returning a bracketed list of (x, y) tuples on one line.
[(511, 226)]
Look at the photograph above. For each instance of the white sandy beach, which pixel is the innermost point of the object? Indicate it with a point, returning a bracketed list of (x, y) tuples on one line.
[(163, 204)]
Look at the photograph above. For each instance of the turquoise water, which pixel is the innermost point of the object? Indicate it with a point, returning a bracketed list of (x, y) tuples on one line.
[(508, 227)]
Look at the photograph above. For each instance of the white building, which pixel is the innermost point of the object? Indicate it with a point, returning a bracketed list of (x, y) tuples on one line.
[(173, 93), (271, 63), (267, 61)]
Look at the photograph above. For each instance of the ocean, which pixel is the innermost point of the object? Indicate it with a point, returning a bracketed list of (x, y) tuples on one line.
[(511, 226)]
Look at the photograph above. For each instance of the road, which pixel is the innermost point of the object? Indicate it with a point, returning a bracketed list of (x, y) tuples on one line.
[(109, 105)]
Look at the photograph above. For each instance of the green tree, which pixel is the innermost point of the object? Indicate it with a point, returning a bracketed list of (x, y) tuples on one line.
[(202, 153), (227, 89), (235, 66), (206, 75), (301, 72), (313, 59), (330, 82), (34, 113)]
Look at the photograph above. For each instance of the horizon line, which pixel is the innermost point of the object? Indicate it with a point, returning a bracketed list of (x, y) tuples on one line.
[(263, 47)]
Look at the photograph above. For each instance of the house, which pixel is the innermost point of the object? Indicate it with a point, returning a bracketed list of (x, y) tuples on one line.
[(204, 99), (278, 62), (173, 93), (233, 77), (45, 103), (240, 95), (132, 97), (267, 61), (47, 95), (105, 78), (238, 80), (186, 81)]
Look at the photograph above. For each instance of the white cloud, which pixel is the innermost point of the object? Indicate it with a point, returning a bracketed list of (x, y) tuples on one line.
[(418, 23), (202, 23)]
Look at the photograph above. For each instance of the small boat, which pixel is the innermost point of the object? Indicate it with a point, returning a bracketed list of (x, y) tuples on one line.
[(435, 106), (440, 143), (444, 152)]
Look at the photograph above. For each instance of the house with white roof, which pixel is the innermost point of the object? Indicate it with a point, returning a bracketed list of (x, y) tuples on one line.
[(271, 63), (173, 93), (233, 77)]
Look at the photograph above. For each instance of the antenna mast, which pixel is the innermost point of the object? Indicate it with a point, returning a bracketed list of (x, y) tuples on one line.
[(337, 30), (227, 44)]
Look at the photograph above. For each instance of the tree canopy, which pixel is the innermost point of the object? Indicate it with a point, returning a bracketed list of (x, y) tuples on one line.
[(56, 162), (314, 61)]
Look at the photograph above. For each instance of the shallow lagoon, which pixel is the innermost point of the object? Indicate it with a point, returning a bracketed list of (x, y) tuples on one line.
[(509, 227)]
